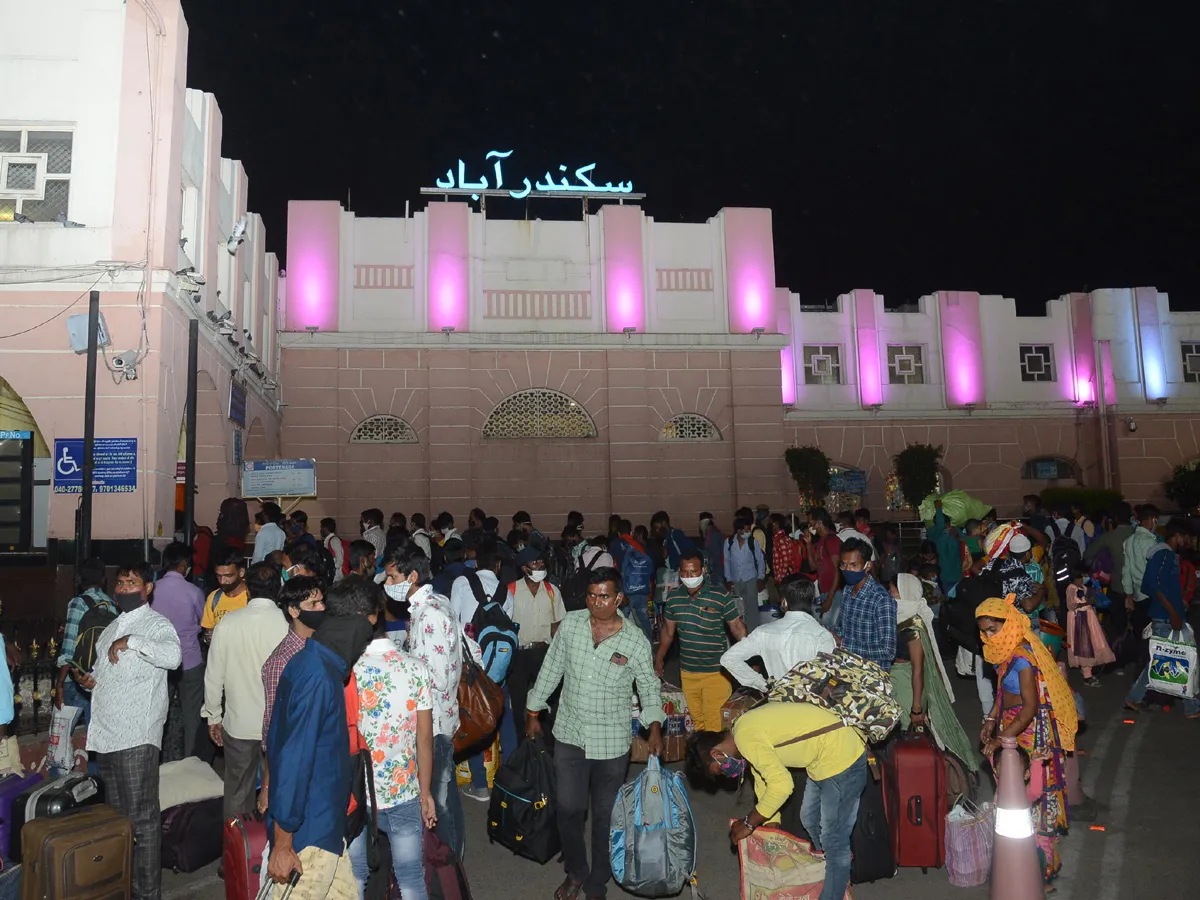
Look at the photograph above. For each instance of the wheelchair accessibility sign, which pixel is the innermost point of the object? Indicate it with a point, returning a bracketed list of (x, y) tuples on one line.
[(115, 470)]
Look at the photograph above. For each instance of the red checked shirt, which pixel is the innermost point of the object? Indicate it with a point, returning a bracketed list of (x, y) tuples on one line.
[(786, 556), (272, 670)]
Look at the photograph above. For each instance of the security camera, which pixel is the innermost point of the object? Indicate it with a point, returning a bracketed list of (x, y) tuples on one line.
[(125, 360), (1131, 424)]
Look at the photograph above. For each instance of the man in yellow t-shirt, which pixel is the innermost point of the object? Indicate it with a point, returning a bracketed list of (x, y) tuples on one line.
[(778, 736), (230, 569)]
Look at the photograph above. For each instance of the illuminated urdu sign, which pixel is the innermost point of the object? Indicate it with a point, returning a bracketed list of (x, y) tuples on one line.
[(583, 185)]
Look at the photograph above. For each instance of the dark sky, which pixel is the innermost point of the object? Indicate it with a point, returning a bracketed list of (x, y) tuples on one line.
[(1023, 148)]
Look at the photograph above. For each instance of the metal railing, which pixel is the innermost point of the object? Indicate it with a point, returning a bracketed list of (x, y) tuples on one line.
[(38, 642)]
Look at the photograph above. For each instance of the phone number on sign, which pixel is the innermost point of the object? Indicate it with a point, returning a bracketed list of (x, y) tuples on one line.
[(98, 489)]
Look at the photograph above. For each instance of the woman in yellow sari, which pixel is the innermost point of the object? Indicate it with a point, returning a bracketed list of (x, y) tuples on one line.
[(1034, 705)]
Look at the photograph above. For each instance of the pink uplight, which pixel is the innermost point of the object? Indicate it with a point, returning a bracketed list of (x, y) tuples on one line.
[(787, 374), (314, 238), (1083, 391), (1083, 336), (962, 348), (870, 380), (448, 302), (624, 291), (750, 268)]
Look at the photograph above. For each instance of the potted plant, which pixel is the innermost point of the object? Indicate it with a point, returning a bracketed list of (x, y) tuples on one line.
[(1183, 487), (916, 468), (810, 470)]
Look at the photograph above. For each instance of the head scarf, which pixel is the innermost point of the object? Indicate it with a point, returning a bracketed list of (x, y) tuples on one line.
[(999, 648), (912, 603), (997, 540)]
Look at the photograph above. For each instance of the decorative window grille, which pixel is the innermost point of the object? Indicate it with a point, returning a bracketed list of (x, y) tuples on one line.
[(35, 174), (538, 413), (1191, 362), (1037, 362), (822, 364), (689, 427), (383, 430), (906, 364), (1049, 468)]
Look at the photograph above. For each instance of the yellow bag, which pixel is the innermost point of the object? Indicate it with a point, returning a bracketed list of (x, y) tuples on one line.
[(491, 764)]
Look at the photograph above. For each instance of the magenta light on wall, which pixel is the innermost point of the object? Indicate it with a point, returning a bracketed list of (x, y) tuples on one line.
[(749, 268), (447, 286), (962, 348), (624, 277), (1154, 363), (1083, 337), (787, 356), (866, 339), (313, 254)]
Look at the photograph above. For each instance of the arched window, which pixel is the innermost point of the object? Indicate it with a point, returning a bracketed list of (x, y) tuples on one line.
[(689, 427), (538, 413), (383, 430), (1050, 468)]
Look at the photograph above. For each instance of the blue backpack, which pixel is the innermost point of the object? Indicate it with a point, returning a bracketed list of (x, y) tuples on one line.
[(652, 838), (493, 630), (637, 571)]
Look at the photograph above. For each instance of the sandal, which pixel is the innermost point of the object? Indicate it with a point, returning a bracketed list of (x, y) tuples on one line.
[(568, 890)]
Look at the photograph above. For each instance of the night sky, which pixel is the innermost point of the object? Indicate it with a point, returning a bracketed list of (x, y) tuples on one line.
[(1022, 148)]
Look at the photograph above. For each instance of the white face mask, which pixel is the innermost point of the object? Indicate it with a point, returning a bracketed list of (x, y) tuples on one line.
[(397, 592), (692, 583), (537, 575)]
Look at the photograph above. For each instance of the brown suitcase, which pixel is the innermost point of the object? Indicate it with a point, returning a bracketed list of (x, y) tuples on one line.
[(87, 855)]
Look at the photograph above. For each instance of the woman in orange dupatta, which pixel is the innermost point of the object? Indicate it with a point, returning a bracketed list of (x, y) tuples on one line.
[(1034, 705)]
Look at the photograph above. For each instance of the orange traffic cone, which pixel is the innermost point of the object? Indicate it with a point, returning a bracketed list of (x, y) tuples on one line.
[(1016, 872)]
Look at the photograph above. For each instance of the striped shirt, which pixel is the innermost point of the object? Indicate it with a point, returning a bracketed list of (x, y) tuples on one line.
[(700, 626)]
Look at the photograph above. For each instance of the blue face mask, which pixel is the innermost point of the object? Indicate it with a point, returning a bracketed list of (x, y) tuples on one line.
[(852, 578), (732, 767)]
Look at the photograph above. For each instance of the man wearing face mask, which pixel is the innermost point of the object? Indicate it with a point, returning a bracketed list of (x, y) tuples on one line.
[(241, 643), (396, 608), (308, 749), (129, 707), (745, 569), (537, 610), (302, 559), (867, 624), (302, 600), (698, 614), (183, 604), (533, 537), (778, 736)]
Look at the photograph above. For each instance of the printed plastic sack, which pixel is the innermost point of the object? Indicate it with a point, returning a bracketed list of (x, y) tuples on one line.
[(676, 729), (61, 752), (1173, 668), (970, 833), (958, 506), (491, 762), (777, 866)]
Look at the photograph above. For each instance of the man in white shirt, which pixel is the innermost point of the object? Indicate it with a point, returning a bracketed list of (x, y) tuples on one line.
[(241, 643), (270, 535), (129, 707), (782, 643), (537, 610), (420, 534), (371, 524), (334, 545)]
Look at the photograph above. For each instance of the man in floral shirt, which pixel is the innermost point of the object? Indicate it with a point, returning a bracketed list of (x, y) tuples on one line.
[(395, 696), (436, 640)]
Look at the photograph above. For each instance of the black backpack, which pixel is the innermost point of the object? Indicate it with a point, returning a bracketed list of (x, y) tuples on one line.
[(522, 814), (574, 589), (492, 629), (1064, 554), (437, 557), (96, 618), (328, 564)]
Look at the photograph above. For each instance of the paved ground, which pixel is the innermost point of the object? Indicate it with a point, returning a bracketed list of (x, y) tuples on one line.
[(1145, 776)]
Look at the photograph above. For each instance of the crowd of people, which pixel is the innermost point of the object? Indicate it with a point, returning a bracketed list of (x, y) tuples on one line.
[(292, 652)]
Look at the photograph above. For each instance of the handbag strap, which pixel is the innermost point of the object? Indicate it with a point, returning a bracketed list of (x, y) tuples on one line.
[(812, 734), (372, 826)]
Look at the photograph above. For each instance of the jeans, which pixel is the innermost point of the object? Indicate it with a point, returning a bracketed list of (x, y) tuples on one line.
[(639, 608), (1138, 692), (830, 619), (595, 782), (446, 796), (508, 729), (829, 810), (402, 824), (746, 595)]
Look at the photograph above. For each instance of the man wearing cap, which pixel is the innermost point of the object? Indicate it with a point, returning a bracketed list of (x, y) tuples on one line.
[(537, 610)]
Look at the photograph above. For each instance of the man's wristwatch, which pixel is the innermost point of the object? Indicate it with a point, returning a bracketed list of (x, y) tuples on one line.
[(745, 820)]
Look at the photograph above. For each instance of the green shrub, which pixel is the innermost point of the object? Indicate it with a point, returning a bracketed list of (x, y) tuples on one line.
[(810, 470), (1183, 487), (916, 468), (1095, 502)]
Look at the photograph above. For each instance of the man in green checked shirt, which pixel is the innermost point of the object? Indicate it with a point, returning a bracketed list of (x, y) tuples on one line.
[(598, 655)]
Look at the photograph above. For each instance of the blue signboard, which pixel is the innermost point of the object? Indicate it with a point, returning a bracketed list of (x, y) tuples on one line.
[(237, 402), (15, 435), (115, 469), (851, 481), (279, 478)]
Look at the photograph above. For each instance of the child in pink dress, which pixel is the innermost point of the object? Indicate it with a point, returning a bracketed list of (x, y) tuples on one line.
[(1087, 646)]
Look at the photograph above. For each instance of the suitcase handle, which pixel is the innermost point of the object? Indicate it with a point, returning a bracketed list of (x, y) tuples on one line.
[(914, 810), (269, 885)]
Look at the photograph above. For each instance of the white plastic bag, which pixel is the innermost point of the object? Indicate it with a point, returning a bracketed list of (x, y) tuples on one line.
[(970, 834), (61, 752), (1173, 664)]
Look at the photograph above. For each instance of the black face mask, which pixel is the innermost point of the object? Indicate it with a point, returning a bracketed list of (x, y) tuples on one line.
[(310, 618), (130, 601), (347, 636)]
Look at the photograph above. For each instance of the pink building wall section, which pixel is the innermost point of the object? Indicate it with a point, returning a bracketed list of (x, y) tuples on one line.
[(446, 395)]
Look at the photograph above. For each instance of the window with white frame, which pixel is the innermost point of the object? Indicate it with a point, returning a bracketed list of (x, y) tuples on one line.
[(906, 364), (1037, 362), (822, 364), (1191, 361), (35, 174)]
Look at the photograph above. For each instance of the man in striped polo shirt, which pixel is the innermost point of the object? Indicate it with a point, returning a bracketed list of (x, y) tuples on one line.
[(699, 614)]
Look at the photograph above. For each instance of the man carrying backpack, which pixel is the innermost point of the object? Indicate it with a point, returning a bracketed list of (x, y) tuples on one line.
[(637, 571), (338, 548), (88, 614)]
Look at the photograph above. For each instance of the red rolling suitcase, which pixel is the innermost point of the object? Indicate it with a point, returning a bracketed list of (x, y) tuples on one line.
[(244, 843), (917, 802)]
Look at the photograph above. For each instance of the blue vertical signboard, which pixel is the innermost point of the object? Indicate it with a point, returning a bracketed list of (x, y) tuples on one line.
[(115, 469), (237, 402)]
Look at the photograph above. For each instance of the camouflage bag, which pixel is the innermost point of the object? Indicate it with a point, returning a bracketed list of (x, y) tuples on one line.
[(856, 690)]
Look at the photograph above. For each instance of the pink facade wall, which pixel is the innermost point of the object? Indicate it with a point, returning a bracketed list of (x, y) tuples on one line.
[(962, 348), (870, 375), (624, 272), (313, 261), (749, 269), (447, 281)]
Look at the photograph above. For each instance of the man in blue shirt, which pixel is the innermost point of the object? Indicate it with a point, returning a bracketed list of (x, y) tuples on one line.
[(308, 748), (867, 626), (745, 569)]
